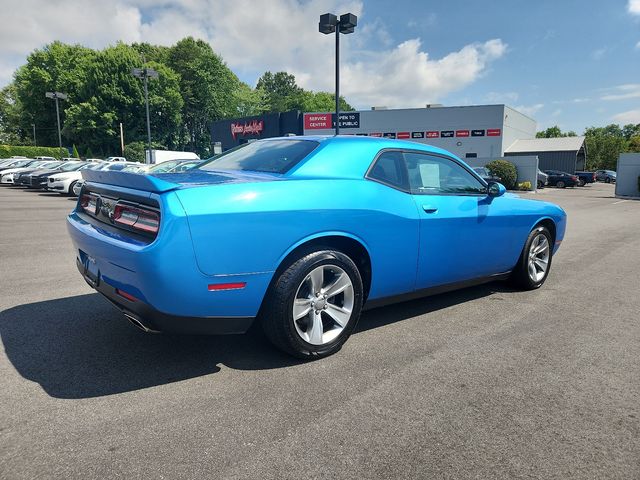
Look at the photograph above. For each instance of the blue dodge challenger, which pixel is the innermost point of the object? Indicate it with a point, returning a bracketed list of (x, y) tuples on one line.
[(302, 233)]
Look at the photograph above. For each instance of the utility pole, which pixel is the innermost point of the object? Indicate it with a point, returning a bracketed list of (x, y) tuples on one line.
[(35, 144), (55, 96), (121, 139), (145, 74)]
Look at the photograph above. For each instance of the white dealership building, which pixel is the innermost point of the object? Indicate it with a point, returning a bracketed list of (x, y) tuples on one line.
[(478, 131)]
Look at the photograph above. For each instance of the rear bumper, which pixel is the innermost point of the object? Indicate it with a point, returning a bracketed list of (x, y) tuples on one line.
[(151, 320)]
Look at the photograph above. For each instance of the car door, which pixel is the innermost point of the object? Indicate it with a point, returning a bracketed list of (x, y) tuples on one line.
[(464, 233)]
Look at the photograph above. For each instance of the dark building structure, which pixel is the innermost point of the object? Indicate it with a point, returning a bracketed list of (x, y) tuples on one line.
[(231, 133), (567, 154)]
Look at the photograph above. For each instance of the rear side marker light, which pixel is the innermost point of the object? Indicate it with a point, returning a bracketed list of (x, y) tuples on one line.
[(136, 218), (215, 287), (126, 295)]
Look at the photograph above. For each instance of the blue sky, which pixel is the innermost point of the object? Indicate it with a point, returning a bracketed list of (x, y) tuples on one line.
[(571, 63)]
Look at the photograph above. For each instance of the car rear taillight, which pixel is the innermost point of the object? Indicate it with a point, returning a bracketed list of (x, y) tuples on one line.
[(89, 203), (574, 178), (137, 218)]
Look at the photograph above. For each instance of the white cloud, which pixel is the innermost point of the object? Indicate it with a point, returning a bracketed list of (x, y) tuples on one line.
[(501, 97), (634, 7), (622, 92), (253, 37), (631, 116), (529, 110)]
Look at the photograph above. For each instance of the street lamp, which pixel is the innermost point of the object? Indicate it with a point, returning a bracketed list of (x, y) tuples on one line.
[(329, 23), (145, 74), (34, 134), (56, 96)]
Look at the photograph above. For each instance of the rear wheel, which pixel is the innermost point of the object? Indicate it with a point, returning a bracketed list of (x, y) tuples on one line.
[(607, 180), (314, 305), (540, 184), (560, 184), (534, 263)]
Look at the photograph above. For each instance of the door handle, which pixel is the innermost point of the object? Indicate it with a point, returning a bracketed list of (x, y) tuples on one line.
[(429, 208)]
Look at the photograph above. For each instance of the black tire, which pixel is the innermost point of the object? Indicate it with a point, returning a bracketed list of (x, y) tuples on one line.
[(70, 192), (277, 311), (560, 184), (581, 182), (607, 180), (520, 275), (540, 184)]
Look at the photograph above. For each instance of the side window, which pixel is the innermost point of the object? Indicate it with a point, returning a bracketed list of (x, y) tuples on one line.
[(389, 169), (430, 174)]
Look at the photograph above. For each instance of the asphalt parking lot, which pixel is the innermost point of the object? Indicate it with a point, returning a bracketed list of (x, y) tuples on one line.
[(481, 383)]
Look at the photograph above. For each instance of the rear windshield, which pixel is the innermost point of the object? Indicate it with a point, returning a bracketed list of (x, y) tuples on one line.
[(271, 156)]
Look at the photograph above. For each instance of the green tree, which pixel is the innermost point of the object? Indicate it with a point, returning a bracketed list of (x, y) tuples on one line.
[(55, 67), (604, 146), (76, 154), (10, 110), (555, 132), (250, 101), (111, 95), (207, 87), (631, 130), (322, 102), (282, 92)]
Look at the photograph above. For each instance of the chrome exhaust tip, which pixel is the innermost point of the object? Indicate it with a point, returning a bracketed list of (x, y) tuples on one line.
[(136, 322)]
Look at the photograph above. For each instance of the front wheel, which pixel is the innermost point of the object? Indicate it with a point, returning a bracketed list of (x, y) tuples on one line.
[(314, 305), (534, 263), (607, 180), (560, 184), (540, 184), (70, 191), (581, 182)]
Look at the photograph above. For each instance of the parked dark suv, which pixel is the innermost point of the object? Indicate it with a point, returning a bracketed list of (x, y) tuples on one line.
[(561, 179)]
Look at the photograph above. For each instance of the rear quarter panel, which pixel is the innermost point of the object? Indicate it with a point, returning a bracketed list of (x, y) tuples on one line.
[(244, 228)]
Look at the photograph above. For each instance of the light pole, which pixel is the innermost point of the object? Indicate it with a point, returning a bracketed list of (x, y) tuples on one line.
[(329, 23), (146, 74), (35, 144), (56, 96)]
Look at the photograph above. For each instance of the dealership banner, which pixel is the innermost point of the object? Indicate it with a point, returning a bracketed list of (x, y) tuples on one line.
[(493, 132), (254, 127), (477, 133), (446, 133)]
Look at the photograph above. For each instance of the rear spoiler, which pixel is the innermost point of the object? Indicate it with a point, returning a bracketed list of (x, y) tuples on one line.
[(146, 183)]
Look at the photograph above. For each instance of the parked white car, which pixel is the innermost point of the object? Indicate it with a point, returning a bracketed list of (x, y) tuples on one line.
[(7, 176), (63, 182), (115, 159)]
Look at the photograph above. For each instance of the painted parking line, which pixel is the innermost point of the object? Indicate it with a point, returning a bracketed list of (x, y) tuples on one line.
[(620, 201)]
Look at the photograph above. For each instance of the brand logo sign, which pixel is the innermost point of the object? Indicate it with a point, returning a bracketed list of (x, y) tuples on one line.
[(493, 132), (254, 127), (477, 133), (389, 135), (446, 134), (462, 133), (417, 134), (403, 135), (434, 134)]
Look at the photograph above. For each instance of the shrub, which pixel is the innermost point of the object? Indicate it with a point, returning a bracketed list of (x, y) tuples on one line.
[(524, 186), (505, 170), (7, 151)]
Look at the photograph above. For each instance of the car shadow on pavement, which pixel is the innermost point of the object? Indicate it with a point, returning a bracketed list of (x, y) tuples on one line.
[(82, 347)]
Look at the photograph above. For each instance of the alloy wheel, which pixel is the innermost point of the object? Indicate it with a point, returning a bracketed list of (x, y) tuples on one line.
[(538, 261), (323, 304)]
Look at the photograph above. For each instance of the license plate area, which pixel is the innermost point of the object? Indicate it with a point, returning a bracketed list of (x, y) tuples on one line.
[(90, 269)]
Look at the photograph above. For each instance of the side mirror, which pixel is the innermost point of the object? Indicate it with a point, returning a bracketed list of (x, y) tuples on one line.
[(495, 189)]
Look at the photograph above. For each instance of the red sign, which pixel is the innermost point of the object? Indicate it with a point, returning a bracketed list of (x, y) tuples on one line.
[(462, 133), (254, 127), (493, 132), (433, 134), (317, 121), (403, 135), (377, 134)]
